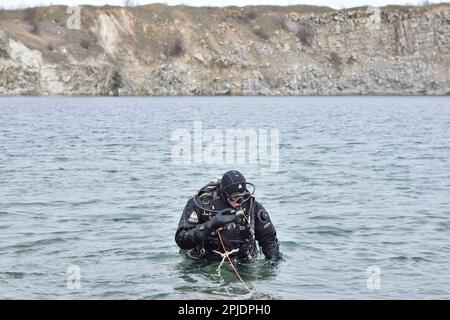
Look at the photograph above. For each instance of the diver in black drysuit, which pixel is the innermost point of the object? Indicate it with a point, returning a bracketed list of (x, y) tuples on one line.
[(225, 214)]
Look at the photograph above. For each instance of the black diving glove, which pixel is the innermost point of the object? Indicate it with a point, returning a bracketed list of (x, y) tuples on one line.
[(272, 253), (222, 218), (274, 261)]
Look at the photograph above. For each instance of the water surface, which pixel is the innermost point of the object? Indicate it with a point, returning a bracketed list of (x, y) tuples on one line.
[(363, 181)]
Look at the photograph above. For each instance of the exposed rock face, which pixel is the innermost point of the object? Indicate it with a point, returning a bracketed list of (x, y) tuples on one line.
[(160, 50)]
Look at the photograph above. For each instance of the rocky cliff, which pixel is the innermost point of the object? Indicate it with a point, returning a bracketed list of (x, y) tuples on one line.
[(262, 50)]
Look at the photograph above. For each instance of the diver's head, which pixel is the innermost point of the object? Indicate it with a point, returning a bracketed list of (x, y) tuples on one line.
[(234, 188)]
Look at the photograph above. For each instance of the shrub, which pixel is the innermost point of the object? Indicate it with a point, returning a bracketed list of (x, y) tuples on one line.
[(305, 33), (4, 53), (174, 46), (84, 43), (250, 15), (282, 22), (335, 59), (30, 16), (247, 17), (116, 83), (261, 34)]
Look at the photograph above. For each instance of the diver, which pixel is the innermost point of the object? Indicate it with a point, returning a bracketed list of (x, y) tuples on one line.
[(224, 217)]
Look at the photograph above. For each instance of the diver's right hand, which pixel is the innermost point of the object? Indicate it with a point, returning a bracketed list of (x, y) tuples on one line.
[(222, 218), (203, 231)]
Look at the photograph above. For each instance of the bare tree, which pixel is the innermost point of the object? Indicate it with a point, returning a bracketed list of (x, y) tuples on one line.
[(130, 3)]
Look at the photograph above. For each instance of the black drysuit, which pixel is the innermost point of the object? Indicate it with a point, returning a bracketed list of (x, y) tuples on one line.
[(199, 242)]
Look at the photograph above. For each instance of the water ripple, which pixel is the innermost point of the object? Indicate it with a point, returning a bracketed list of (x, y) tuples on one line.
[(89, 182)]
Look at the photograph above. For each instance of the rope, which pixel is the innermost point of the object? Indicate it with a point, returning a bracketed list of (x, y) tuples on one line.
[(227, 254), (224, 256)]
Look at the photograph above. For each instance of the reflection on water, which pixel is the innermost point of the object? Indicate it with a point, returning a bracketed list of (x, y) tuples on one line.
[(225, 283)]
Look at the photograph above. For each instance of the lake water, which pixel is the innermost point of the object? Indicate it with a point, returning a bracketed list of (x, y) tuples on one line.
[(360, 201)]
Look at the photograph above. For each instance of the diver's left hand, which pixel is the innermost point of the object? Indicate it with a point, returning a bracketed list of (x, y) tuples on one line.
[(274, 261)]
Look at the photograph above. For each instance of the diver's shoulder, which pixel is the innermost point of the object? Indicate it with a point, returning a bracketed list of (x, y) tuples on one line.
[(190, 202), (258, 204)]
